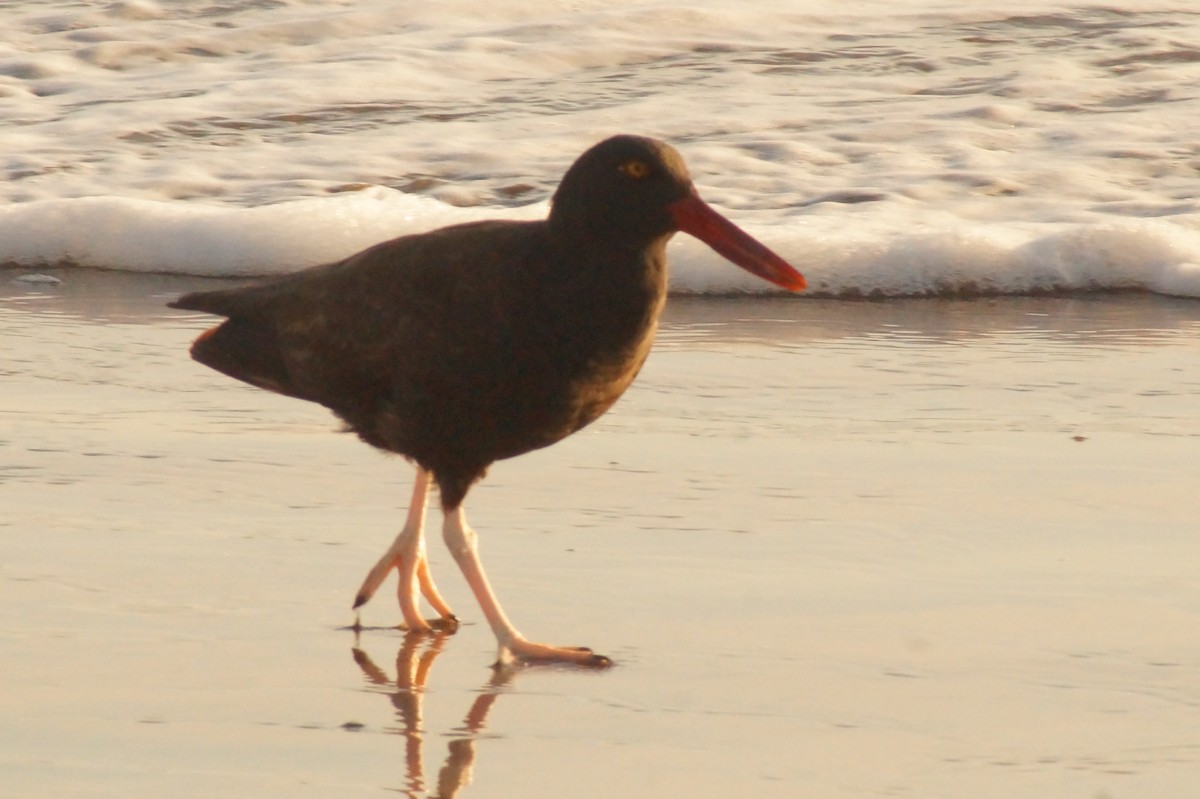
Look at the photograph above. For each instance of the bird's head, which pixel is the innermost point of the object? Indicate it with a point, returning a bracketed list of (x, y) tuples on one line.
[(637, 190)]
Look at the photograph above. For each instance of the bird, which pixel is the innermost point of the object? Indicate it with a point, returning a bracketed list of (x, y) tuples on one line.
[(477, 342)]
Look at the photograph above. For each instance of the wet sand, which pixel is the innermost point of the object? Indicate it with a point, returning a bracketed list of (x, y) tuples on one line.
[(837, 549)]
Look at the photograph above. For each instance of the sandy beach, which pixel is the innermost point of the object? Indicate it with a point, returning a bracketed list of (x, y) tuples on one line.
[(924, 548)]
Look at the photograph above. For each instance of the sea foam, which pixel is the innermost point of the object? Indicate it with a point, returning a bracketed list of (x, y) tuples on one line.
[(838, 258)]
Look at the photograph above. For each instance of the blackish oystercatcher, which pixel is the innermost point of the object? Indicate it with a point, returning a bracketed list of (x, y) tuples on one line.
[(477, 342)]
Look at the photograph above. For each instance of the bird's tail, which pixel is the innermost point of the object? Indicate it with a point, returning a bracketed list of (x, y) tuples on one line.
[(249, 351)]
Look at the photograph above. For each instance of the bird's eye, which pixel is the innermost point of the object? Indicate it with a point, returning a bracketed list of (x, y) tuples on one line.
[(635, 169)]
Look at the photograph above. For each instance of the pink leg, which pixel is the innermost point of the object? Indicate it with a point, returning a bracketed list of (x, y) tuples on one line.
[(407, 556), (513, 647)]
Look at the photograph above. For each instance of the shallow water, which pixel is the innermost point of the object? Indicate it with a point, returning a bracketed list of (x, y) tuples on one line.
[(923, 548)]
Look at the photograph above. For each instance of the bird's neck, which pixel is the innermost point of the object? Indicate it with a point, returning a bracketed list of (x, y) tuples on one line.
[(618, 274), (606, 289)]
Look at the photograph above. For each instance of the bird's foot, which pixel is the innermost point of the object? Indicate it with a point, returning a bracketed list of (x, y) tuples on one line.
[(415, 581), (441, 624), (519, 651)]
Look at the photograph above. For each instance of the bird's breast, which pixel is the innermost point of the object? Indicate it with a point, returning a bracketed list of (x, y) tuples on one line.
[(614, 341)]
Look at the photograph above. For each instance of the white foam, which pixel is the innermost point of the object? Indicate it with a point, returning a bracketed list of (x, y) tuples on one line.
[(222, 241), (838, 260), (1146, 255)]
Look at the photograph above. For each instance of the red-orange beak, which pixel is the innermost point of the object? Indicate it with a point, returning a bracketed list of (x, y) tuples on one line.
[(697, 218)]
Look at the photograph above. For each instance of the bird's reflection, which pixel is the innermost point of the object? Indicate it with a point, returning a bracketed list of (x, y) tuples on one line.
[(414, 660)]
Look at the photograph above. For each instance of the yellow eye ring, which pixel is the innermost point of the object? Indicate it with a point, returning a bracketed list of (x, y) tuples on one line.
[(635, 169)]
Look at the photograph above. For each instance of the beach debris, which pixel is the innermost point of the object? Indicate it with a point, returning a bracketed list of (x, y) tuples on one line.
[(38, 279)]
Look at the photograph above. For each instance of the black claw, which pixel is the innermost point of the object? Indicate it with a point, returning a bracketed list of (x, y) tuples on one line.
[(359, 601)]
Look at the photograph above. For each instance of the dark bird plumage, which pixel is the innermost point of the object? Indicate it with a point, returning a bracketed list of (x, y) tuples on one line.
[(478, 342)]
